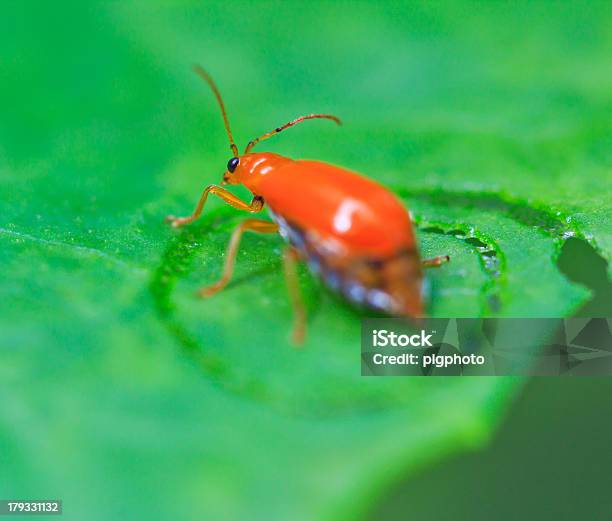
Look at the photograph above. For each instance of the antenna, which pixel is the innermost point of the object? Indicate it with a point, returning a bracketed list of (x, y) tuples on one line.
[(290, 124), (207, 78)]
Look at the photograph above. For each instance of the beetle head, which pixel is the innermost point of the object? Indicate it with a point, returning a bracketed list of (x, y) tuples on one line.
[(232, 164)]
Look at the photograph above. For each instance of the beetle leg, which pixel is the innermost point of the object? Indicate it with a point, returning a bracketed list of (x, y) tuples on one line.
[(290, 258), (435, 262), (256, 205), (254, 225)]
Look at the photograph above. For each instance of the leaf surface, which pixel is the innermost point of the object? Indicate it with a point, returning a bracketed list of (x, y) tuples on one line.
[(124, 393)]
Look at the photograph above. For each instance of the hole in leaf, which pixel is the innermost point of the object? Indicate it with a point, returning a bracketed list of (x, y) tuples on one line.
[(434, 229), (476, 242), (456, 233), (580, 263)]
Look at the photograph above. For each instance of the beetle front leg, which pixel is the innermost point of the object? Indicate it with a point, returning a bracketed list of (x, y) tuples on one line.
[(256, 205), (253, 225)]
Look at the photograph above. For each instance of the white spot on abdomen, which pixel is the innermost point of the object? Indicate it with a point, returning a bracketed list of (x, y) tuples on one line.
[(343, 220)]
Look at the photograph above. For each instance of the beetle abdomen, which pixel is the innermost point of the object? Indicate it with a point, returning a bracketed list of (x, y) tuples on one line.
[(390, 284)]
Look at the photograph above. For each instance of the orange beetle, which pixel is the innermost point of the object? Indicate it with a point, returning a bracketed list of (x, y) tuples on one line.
[(353, 233)]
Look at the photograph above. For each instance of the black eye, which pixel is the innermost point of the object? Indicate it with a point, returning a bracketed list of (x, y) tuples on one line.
[(232, 164)]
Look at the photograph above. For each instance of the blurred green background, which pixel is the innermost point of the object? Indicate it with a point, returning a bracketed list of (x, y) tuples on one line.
[(125, 396)]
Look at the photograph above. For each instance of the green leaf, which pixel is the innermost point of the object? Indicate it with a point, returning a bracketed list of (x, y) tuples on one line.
[(126, 396)]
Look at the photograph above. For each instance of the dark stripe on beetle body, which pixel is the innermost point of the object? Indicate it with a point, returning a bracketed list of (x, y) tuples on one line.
[(337, 280)]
